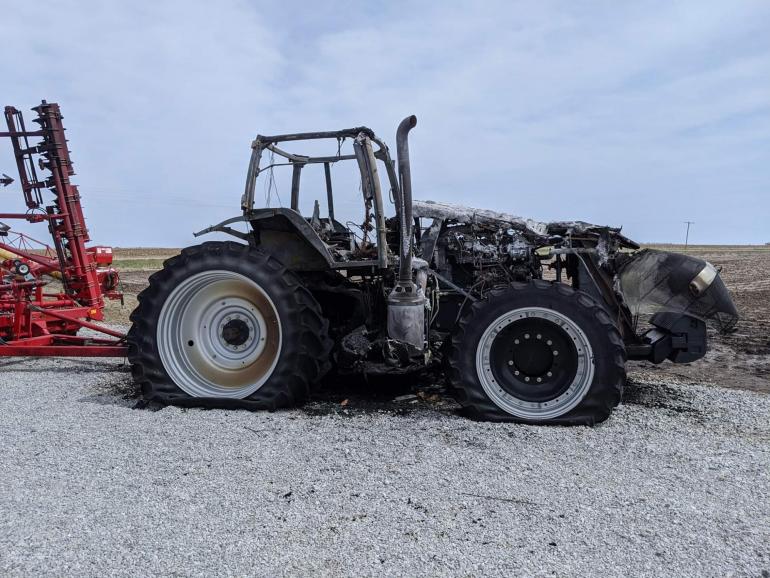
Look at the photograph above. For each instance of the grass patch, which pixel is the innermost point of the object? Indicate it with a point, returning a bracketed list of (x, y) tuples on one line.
[(152, 263)]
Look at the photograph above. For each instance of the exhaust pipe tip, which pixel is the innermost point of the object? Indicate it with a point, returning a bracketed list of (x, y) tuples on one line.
[(407, 124)]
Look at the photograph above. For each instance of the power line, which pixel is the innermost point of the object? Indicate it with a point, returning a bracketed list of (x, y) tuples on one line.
[(687, 234)]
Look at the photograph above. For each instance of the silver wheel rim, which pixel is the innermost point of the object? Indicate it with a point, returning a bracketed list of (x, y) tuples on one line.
[(219, 335), (524, 409)]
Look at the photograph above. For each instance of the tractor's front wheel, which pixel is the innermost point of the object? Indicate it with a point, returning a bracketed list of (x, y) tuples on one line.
[(538, 353), (223, 324)]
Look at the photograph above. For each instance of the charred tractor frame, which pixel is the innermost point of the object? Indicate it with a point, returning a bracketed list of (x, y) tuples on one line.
[(532, 321)]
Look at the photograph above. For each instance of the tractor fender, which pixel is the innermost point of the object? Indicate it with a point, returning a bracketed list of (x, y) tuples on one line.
[(285, 234)]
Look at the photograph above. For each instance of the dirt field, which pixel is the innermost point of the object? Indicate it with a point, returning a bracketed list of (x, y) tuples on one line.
[(135, 266), (741, 359)]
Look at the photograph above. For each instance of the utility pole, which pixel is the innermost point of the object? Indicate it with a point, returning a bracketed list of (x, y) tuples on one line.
[(687, 234)]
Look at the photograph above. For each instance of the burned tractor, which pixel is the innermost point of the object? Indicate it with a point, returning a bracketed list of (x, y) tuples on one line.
[(532, 322)]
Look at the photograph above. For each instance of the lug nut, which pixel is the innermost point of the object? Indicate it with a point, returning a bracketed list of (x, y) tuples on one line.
[(549, 374), (510, 363), (539, 379), (555, 352), (516, 341), (526, 379), (549, 342), (539, 336), (516, 372), (526, 336)]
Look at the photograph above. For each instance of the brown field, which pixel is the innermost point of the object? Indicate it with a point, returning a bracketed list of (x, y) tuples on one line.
[(135, 264), (741, 359)]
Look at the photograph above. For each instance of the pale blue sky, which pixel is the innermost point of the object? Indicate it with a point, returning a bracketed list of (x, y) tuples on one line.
[(642, 114)]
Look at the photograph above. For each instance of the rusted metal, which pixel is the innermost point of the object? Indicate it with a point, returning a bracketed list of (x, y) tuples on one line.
[(370, 180), (329, 191)]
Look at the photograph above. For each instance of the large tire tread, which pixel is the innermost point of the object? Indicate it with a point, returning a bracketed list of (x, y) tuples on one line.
[(303, 360), (606, 391)]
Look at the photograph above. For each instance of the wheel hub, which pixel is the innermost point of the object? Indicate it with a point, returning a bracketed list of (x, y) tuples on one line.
[(219, 335), (534, 363), (235, 331), (532, 357)]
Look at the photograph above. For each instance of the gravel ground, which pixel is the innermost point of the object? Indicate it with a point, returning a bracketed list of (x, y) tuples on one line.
[(676, 483)]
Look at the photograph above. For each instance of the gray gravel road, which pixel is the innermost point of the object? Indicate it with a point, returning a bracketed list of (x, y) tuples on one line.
[(676, 483)]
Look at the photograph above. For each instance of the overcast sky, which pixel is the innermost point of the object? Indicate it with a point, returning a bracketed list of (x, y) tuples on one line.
[(642, 114)]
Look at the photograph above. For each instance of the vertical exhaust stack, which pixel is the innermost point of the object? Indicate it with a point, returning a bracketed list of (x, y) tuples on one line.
[(406, 303)]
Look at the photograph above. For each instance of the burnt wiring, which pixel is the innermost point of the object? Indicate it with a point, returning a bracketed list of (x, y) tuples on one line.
[(435, 299), (270, 183), (362, 237)]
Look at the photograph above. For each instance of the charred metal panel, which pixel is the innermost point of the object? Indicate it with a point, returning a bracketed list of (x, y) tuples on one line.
[(653, 281), (291, 236)]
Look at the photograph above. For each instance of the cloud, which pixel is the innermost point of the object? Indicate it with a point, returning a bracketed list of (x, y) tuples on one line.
[(643, 113)]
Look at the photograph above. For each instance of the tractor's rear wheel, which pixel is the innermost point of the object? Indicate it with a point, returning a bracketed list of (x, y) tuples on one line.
[(224, 325), (538, 353)]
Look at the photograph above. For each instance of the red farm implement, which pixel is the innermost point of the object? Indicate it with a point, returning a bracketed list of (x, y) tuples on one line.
[(49, 293)]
